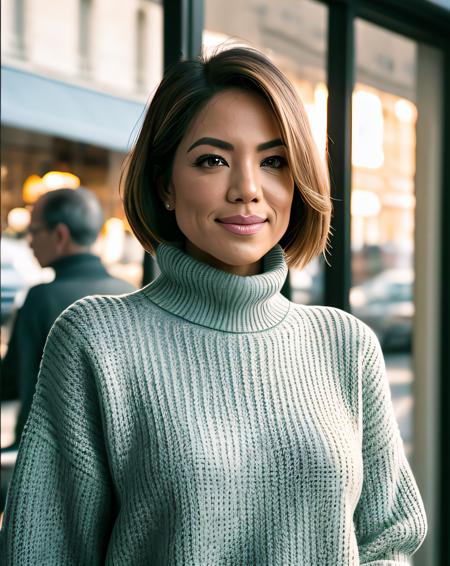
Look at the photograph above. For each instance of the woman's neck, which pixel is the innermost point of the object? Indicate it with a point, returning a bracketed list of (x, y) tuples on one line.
[(200, 255)]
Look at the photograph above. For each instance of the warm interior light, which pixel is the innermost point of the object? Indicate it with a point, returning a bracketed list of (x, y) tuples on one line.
[(61, 180), (114, 240), (399, 200), (317, 115), (321, 94), (33, 188), (367, 130), (405, 110), (365, 203), (18, 219)]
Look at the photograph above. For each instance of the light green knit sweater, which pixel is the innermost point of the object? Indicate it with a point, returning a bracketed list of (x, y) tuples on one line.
[(208, 421)]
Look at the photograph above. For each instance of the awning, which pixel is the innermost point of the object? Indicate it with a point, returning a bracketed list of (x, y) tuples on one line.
[(53, 107)]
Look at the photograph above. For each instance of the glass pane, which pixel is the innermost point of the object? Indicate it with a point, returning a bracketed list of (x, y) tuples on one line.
[(383, 202), (293, 34), (92, 66), (116, 53)]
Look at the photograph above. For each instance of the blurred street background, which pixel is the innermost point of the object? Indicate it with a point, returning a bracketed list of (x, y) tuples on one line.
[(76, 77)]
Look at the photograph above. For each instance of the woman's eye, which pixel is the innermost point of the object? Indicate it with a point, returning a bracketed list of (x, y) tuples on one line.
[(210, 161), (274, 162)]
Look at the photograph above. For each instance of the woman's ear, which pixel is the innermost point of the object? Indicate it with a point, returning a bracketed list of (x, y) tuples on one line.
[(166, 193)]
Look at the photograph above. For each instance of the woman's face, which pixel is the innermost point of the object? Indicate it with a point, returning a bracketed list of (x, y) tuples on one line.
[(231, 187)]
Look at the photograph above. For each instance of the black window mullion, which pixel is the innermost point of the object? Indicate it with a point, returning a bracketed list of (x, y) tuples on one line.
[(444, 488), (420, 20), (339, 122), (195, 28), (175, 32), (183, 28)]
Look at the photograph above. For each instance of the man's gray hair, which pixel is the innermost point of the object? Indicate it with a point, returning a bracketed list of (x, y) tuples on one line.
[(78, 209)]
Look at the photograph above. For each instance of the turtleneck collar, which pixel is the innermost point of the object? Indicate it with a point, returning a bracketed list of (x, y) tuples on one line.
[(213, 298)]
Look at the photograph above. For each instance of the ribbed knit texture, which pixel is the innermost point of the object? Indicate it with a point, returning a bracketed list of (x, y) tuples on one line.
[(208, 421)]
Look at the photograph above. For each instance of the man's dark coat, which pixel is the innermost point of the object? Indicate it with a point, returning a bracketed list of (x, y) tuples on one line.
[(76, 276)]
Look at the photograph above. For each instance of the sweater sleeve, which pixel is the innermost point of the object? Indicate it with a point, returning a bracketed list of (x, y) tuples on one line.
[(59, 508), (390, 520)]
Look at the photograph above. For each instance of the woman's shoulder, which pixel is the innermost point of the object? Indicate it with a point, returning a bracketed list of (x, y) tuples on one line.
[(105, 312), (333, 322)]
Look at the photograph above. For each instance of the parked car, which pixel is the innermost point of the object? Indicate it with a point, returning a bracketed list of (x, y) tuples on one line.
[(385, 302), (19, 271), (12, 284)]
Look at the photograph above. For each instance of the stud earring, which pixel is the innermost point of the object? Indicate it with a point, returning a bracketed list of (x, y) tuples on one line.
[(168, 205)]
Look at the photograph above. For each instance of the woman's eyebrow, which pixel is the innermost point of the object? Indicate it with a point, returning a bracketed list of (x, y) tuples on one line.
[(228, 146), (211, 141), (269, 144)]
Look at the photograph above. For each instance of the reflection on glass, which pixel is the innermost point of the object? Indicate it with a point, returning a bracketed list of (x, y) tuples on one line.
[(383, 201), (109, 47), (293, 34)]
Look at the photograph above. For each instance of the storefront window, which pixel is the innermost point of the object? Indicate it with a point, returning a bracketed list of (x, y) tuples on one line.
[(87, 102), (293, 34), (383, 202), (76, 76)]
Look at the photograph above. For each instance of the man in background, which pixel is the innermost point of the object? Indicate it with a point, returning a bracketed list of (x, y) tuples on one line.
[(64, 226)]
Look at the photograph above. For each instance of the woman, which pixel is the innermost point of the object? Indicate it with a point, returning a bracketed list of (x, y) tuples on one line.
[(206, 420)]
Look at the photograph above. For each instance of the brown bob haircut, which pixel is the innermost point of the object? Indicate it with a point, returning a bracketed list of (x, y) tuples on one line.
[(183, 92)]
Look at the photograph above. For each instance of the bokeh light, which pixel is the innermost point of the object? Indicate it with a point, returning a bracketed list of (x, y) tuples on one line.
[(19, 219)]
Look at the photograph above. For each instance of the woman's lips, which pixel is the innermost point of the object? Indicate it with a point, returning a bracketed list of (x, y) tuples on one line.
[(243, 229), (241, 219)]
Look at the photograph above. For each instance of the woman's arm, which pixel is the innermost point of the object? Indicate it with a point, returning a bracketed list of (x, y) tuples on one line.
[(59, 508), (390, 519)]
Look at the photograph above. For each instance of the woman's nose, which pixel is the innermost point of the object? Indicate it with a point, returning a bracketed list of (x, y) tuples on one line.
[(244, 185)]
